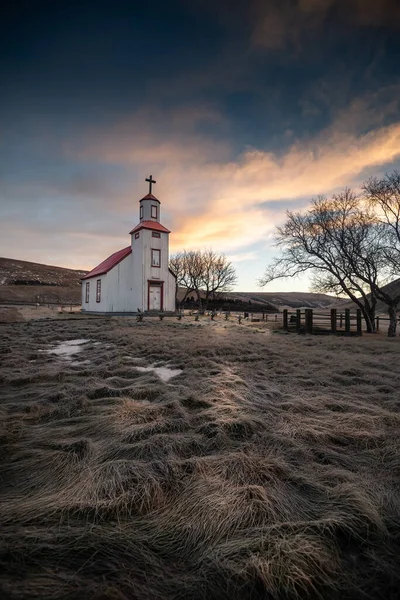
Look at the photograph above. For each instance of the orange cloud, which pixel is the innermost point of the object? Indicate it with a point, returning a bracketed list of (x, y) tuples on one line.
[(210, 200)]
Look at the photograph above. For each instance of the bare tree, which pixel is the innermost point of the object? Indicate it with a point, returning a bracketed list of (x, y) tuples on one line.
[(178, 264), (204, 272), (383, 195), (335, 240), (218, 274)]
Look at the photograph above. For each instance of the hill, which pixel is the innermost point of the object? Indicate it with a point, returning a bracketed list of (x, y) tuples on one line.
[(393, 288), (23, 281), (291, 299), (281, 299)]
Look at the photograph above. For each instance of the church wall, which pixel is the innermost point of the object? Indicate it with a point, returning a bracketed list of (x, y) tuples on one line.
[(93, 305), (171, 289), (122, 295), (137, 272)]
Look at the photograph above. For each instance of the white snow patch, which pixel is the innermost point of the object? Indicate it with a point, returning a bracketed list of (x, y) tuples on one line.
[(164, 373), (80, 362), (67, 349)]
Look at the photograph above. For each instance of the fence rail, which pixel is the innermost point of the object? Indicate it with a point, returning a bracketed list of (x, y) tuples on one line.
[(335, 321)]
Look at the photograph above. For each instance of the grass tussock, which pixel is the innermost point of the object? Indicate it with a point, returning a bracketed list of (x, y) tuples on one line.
[(268, 469)]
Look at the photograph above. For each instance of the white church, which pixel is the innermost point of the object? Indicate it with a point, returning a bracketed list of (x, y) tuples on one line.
[(136, 278)]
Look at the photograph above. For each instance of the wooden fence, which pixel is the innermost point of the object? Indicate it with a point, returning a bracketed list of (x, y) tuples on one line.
[(335, 322)]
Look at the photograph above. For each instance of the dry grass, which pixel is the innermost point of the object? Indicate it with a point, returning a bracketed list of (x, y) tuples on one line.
[(268, 469)]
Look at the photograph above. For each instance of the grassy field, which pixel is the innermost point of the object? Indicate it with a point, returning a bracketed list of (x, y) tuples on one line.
[(268, 468)]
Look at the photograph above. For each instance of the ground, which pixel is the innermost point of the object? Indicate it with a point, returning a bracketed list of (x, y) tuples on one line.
[(266, 467)]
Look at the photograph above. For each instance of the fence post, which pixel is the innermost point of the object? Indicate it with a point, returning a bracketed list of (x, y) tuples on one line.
[(347, 321), (298, 320), (359, 321), (285, 319), (377, 323), (309, 320), (333, 320)]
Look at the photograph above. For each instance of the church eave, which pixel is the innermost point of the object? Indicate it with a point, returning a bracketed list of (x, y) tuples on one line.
[(153, 225), (150, 197)]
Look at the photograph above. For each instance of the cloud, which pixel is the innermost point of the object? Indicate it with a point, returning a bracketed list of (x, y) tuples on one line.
[(243, 256), (210, 199), (283, 24)]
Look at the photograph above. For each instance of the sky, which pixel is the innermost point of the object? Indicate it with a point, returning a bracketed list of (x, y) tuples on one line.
[(241, 110)]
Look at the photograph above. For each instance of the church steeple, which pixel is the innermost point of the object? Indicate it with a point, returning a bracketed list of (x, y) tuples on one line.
[(150, 205), (149, 216)]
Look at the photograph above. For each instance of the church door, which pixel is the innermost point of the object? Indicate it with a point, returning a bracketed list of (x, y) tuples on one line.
[(155, 297)]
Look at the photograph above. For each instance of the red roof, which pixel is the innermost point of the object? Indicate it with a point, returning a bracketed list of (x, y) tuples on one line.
[(109, 263), (150, 197), (150, 225)]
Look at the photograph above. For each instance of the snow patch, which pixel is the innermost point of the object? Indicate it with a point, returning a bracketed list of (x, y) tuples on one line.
[(67, 349), (164, 373), (80, 362)]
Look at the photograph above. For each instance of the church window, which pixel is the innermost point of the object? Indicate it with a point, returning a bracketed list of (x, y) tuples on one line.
[(141, 211), (155, 234), (87, 291), (155, 258), (137, 235), (98, 290), (153, 211)]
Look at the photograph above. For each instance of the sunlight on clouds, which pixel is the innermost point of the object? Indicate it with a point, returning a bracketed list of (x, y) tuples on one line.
[(244, 256), (209, 200)]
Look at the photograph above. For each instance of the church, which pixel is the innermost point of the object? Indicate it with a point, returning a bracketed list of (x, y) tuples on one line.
[(136, 278)]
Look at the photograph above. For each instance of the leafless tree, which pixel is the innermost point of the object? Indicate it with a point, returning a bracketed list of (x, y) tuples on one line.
[(178, 264), (203, 271), (336, 240), (218, 274), (383, 195)]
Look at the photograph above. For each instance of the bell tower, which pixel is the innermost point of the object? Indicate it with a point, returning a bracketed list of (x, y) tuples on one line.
[(150, 205), (150, 256)]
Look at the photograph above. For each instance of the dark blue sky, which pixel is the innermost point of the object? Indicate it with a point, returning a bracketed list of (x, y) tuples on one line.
[(240, 109)]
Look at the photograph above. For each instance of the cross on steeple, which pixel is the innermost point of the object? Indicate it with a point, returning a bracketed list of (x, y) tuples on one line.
[(151, 181)]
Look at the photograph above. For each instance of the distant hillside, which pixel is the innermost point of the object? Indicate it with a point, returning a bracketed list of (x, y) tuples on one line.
[(393, 288), (290, 299), (23, 281)]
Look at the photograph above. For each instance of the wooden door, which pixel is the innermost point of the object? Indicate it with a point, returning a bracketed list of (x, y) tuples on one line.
[(155, 297)]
